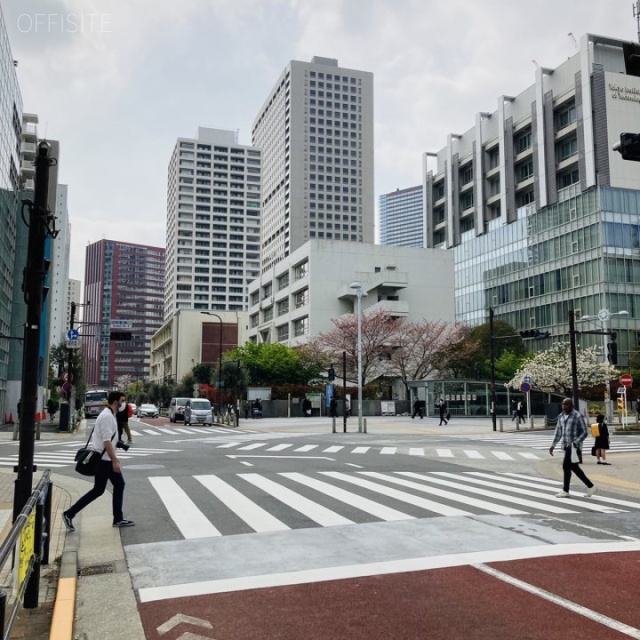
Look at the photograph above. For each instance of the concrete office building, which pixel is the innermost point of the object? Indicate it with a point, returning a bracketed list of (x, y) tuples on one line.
[(315, 130), (59, 271), (541, 214), (297, 299), (213, 223), (122, 281), (402, 218)]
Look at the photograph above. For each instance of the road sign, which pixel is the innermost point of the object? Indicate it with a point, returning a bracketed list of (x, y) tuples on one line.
[(120, 324), (67, 377), (66, 387), (73, 344), (525, 387), (626, 380), (526, 379), (73, 334)]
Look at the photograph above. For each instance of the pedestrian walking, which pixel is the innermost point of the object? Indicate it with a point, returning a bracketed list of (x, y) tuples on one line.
[(125, 411), (520, 412), (571, 431), (104, 438), (417, 409), (514, 410), (246, 407), (444, 414), (306, 407), (601, 432), (333, 407)]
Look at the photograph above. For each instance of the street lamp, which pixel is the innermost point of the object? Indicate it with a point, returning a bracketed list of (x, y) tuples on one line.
[(604, 315), (357, 286), (209, 313)]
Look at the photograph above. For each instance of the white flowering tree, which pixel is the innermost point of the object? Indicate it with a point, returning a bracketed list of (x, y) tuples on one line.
[(551, 369)]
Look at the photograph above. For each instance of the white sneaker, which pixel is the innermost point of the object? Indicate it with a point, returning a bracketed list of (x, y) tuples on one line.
[(591, 491), (563, 494)]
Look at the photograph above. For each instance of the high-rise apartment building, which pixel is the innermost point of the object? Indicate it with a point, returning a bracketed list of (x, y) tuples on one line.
[(402, 218), (73, 295), (315, 130), (59, 271), (541, 213), (122, 282), (213, 223)]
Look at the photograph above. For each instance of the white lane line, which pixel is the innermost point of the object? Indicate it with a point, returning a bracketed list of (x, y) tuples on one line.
[(502, 455), (183, 511), (280, 447), (444, 453), (385, 567), (254, 515), (312, 510), (503, 497), (388, 450), (333, 449), (361, 450), (363, 504), (606, 621), (415, 451), (429, 505), (472, 453), (450, 495), (306, 447)]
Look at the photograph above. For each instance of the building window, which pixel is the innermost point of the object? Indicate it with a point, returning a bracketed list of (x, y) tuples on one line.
[(565, 116), (566, 148), (567, 178), (255, 298), (466, 174), (524, 171), (283, 306), (253, 321), (466, 200), (283, 332), (267, 314), (301, 326), (523, 142), (301, 271), (283, 281), (301, 298)]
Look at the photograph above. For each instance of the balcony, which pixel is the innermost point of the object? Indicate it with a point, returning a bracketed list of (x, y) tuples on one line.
[(389, 279), (395, 308)]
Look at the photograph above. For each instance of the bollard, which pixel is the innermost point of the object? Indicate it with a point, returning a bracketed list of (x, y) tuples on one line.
[(364, 425), (501, 426), (15, 432), (333, 425), (37, 431)]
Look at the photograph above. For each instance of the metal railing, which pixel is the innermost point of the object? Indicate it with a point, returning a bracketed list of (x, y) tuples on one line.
[(28, 544)]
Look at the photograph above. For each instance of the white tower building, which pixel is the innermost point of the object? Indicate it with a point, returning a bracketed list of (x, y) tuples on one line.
[(315, 130), (59, 271)]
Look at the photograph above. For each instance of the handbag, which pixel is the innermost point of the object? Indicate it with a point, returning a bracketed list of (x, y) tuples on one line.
[(593, 451), (88, 460), (575, 455), (448, 415)]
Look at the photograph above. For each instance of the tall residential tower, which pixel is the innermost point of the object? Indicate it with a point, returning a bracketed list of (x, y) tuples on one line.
[(315, 130)]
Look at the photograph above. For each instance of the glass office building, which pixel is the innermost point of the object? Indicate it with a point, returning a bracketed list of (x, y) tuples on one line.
[(542, 214), (402, 218)]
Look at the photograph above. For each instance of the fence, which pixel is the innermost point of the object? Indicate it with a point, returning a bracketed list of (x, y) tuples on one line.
[(28, 546)]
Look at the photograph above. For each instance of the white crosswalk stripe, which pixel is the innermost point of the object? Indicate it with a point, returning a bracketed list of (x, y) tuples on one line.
[(266, 502)]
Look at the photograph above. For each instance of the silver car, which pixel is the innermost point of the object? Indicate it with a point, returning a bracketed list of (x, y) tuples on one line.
[(148, 411), (198, 411)]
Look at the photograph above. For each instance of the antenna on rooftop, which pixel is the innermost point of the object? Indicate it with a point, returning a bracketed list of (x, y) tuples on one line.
[(573, 38), (636, 15)]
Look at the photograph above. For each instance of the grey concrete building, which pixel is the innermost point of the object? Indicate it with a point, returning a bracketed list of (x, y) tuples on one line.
[(541, 214), (315, 130)]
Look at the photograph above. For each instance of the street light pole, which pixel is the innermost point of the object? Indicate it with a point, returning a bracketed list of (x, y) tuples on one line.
[(209, 313), (359, 293)]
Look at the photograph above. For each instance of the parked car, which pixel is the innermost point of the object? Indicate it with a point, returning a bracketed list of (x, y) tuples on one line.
[(198, 411), (176, 409), (148, 411)]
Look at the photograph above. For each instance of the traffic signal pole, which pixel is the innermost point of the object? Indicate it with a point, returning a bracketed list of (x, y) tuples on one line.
[(40, 226)]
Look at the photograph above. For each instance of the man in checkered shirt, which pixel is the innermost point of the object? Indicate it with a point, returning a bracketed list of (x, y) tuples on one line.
[(571, 431)]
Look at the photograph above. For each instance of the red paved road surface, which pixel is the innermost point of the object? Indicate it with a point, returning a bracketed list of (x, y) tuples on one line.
[(461, 603)]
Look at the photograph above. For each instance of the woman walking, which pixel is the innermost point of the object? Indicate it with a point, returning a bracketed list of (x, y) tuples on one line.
[(602, 440)]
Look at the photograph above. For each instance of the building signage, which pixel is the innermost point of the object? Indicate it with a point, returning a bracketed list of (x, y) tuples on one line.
[(618, 92), (120, 324)]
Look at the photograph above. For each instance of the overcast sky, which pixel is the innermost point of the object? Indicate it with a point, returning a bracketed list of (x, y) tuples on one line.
[(117, 81)]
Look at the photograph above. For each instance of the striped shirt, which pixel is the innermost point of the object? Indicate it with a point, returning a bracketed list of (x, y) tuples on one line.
[(570, 429)]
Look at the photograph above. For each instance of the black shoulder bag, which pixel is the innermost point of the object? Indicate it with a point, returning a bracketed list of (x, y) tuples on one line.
[(88, 460)]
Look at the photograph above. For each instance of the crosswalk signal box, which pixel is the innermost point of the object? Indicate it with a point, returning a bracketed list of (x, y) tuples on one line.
[(620, 404)]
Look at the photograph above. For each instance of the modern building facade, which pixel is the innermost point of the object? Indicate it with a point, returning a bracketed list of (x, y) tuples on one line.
[(59, 271), (297, 299), (213, 223), (401, 218), (190, 338), (315, 130), (73, 296), (541, 214), (122, 282)]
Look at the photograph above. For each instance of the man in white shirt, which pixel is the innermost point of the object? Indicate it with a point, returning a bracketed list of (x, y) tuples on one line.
[(104, 439)]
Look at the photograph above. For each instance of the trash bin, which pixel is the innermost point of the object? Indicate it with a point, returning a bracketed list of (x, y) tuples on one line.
[(64, 416)]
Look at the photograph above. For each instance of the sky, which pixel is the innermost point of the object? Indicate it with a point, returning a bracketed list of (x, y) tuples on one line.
[(118, 81)]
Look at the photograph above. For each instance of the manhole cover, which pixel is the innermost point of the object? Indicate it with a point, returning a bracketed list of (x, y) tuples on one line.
[(96, 570)]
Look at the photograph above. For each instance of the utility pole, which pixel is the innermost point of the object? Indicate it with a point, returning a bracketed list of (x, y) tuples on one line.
[(574, 363), (492, 355), (41, 225)]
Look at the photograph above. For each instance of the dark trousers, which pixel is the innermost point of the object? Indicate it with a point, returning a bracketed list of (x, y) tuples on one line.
[(105, 473), (443, 418), (568, 467)]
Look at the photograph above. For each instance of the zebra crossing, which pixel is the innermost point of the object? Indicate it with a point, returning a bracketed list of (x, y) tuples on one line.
[(204, 506), (45, 456), (154, 431)]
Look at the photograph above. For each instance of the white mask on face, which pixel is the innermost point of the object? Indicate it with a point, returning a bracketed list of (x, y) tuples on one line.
[(123, 406)]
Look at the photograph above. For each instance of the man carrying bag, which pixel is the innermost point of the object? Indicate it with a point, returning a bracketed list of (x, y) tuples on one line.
[(104, 438)]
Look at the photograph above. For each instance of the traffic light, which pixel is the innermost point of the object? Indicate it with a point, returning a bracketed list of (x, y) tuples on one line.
[(629, 146), (612, 355), (620, 404), (331, 373), (534, 333), (120, 335)]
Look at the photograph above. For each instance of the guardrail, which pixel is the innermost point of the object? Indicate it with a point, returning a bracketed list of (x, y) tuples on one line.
[(28, 545)]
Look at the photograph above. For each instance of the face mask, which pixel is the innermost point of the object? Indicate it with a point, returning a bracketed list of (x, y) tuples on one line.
[(123, 406)]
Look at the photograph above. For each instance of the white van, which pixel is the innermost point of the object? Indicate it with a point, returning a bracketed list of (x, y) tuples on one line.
[(198, 411), (176, 409)]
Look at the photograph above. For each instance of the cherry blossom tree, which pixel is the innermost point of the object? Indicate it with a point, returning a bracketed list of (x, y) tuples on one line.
[(551, 369)]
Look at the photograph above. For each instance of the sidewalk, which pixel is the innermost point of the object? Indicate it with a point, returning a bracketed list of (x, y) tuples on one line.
[(87, 568)]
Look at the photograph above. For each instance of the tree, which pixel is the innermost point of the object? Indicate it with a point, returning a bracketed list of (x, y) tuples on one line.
[(203, 373), (379, 335), (551, 369), (507, 365), (459, 357)]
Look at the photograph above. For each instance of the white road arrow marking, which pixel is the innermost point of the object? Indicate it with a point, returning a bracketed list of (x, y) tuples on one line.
[(179, 618)]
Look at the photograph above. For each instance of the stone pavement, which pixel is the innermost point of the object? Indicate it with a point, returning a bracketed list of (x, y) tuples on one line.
[(87, 568)]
